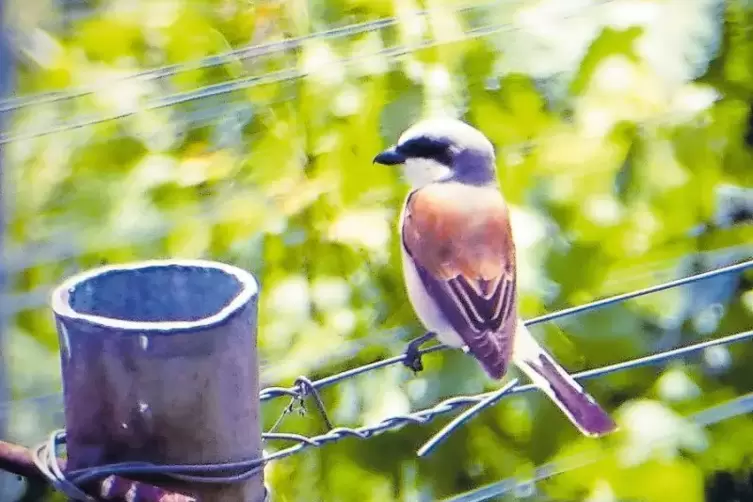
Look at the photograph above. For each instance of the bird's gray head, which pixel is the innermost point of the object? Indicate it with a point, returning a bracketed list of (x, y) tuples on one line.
[(438, 150)]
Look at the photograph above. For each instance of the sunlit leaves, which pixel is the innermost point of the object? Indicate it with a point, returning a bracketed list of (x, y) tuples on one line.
[(108, 38), (610, 158), (608, 44), (737, 68)]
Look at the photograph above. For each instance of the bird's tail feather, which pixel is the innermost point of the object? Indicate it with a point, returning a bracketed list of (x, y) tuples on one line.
[(582, 410)]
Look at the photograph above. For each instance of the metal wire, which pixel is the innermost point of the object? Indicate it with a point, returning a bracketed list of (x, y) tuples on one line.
[(208, 473), (712, 415), (247, 52), (294, 392), (46, 457), (634, 294), (390, 54), (217, 473), (461, 419), (661, 268)]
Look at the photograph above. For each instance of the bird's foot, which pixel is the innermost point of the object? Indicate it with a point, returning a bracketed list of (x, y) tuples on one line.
[(413, 359), (412, 356)]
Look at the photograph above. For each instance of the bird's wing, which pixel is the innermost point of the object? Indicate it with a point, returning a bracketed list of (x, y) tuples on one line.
[(461, 242)]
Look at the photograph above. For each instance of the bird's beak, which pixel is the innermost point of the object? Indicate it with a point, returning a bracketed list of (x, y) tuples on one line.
[(389, 157)]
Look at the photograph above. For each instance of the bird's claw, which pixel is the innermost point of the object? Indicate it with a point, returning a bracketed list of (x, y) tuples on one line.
[(412, 359)]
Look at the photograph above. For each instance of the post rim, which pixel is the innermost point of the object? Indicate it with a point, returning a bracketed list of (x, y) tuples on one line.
[(249, 288)]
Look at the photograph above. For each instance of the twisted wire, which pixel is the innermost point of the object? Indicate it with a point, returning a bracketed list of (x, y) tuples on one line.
[(269, 393), (46, 454), (208, 473)]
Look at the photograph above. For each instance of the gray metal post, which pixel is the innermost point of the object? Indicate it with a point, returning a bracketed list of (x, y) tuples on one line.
[(5, 91), (6, 80), (159, 364)]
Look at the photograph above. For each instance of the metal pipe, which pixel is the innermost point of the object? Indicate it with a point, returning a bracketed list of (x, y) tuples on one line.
[(6, 85), (159, 364)]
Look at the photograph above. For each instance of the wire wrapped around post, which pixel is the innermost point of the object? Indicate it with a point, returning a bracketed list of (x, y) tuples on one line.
[(159, 365), (248, 468)]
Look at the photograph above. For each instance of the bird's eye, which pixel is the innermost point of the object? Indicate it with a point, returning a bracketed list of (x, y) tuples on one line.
[(427, 148)]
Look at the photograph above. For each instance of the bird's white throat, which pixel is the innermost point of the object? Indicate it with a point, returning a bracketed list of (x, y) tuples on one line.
[(421, 172)]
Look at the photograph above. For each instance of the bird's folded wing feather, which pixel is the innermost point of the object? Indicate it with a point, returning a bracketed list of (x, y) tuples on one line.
[(461, 242)]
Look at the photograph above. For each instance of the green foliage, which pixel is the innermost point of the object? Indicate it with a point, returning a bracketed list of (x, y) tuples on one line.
[(608, 152)]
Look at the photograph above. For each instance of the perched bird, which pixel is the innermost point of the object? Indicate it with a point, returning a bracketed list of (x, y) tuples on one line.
[(459, 263)]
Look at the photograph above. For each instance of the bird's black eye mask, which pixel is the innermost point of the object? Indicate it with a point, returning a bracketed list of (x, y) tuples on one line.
[(427, 148)]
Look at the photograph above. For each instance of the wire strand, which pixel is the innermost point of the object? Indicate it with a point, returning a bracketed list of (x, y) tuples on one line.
[(390, 54), (709, 416), (46, 454), (275, 392), (208, 473), (247, 52), (645, 291)]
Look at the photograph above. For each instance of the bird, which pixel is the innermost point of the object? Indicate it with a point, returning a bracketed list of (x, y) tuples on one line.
[(458, 261)]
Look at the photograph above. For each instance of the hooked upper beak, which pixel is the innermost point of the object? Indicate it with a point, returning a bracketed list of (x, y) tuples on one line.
[(389, 157)]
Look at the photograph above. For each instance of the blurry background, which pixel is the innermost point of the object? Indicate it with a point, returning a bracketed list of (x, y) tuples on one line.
[(243, 131)]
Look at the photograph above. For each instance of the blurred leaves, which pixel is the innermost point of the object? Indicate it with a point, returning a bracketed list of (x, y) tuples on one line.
[(621, 170)]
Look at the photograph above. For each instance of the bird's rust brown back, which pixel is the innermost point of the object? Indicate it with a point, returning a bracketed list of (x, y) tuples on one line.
[(453, 229)]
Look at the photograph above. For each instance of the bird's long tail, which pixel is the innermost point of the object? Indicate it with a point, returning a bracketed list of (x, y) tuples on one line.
[(582, 410)]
